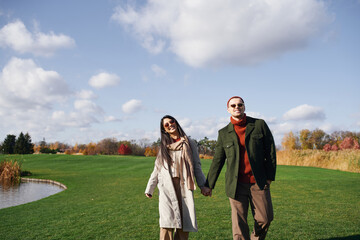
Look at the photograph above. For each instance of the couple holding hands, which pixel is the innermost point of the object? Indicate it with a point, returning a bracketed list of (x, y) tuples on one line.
[(246, 145)]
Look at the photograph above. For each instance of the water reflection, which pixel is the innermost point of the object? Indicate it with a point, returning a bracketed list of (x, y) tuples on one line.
[(26, 192)]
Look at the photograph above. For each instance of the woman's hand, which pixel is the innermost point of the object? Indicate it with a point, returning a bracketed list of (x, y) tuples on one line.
[(148, 195), (206, 191)]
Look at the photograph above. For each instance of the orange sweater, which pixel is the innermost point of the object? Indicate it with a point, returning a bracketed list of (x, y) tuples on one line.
[(245, 173)]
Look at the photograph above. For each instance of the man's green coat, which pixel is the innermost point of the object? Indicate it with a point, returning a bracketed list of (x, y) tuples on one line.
[(260, 147)]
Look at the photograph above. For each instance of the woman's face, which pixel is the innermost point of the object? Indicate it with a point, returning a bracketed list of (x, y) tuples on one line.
[(170, 126)]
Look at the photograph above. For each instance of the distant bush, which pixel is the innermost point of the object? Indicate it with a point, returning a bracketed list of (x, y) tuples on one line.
[(327, 147), (48, 150), (334, 148), (349, 143), (205, 156)]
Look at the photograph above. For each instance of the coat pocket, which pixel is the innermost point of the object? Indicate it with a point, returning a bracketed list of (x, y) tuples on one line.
[(229, 149), (257, 136)]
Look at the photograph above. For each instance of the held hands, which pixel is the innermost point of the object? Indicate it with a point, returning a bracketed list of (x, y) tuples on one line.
[(206, 191)]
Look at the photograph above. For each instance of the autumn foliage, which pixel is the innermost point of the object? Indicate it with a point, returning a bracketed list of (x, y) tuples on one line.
[(349, 143), (151, 151), (318, 139), (124, 150)]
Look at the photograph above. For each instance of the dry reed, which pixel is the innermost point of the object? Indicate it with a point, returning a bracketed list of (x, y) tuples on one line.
[(9, 173), (344, 160)]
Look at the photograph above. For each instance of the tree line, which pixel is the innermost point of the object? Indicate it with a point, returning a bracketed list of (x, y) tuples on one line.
[(108, 146), (305, 139), (318, 139)]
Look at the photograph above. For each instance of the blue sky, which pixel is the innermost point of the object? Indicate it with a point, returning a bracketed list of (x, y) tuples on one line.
[(81, 71)]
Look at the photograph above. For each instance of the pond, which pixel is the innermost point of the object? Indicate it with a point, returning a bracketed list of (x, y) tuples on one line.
[(28, 191)]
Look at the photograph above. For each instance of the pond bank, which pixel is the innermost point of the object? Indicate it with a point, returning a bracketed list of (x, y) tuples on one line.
[(44, 181)]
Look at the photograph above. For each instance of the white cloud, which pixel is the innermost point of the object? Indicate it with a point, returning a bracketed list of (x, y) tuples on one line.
[(185, 122), (16, 36), (74, 119), (132, 106), (24, 85), (86, 94), (104, 79), (305, 112), (268, 120), (223, 32), (36, 100), (111, 119), (159, 72), (87, 106), (203, 128)]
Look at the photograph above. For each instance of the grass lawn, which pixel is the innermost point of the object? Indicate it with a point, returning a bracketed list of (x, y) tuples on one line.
[(105, 200)]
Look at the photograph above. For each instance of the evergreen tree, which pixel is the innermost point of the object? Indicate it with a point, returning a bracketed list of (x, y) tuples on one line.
[(9, 144), (29, 144), (20, 144), (23, 144)]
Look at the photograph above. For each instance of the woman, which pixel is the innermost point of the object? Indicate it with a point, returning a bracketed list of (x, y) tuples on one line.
[(176, 165)]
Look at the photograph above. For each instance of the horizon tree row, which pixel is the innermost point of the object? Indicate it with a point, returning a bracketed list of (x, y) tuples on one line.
[(318, 139)]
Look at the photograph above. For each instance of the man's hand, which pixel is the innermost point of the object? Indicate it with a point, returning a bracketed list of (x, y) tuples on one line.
[(148, 195), (206, 191)]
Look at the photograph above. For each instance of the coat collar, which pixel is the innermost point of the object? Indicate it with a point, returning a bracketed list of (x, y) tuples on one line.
[(250, 125)]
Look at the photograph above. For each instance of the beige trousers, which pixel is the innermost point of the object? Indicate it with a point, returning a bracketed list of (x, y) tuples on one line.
[(261, 208), (168, 233)]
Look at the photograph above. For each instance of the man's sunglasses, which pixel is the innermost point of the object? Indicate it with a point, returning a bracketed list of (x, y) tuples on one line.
[(238, 105), (172, 121)]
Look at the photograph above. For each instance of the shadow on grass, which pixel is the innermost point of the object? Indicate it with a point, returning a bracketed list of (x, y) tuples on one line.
[(354, 237)]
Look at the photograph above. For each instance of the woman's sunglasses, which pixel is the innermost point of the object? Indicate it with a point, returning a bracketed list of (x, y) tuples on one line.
[(172, 121)]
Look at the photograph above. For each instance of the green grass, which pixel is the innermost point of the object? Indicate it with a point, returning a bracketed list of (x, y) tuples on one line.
[(105, 200)]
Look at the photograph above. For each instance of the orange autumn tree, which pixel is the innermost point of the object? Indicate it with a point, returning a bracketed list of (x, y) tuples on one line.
[(151, 151)]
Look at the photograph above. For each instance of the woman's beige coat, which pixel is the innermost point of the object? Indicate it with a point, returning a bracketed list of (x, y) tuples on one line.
[(168, 203)]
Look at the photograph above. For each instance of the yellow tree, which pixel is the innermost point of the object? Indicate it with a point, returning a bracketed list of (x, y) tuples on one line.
[(290, 141), (75, 148), (319, 138), (37, 148), (305, 139)]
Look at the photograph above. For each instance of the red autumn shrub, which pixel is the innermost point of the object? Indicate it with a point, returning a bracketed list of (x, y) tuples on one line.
[(327, 147), (334, 148), (349, 143), (124, 150)]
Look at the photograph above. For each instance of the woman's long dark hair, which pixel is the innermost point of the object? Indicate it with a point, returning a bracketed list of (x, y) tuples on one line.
[(166, 140)]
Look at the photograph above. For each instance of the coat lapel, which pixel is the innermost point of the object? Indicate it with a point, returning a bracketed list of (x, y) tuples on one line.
[(250, 126), (232, 135)]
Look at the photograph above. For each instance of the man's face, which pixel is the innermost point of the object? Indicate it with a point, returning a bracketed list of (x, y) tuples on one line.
[(236, 108)]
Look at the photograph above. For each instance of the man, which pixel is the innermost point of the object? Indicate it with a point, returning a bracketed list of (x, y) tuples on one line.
[(248, 147)]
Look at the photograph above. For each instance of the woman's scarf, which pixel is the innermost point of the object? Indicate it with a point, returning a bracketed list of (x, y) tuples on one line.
[(185, 160)]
